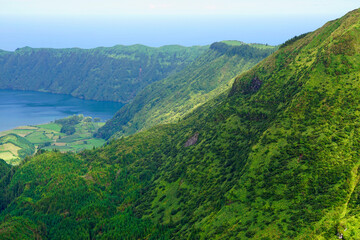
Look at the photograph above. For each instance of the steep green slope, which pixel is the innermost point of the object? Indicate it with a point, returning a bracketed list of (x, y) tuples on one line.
[(277, 158), (170, 99), (105, 74)]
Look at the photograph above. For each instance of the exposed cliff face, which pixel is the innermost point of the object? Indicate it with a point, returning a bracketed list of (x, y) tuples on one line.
[(193, 140)]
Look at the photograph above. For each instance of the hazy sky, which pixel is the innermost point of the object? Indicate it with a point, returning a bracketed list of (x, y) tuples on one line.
[(179, 7), (91, 23)]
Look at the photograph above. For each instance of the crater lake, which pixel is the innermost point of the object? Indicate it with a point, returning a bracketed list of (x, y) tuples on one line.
[(20, 108)]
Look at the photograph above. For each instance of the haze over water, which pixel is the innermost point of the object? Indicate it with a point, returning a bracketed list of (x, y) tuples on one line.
[(91, 32), (89, 24), (19, 108)]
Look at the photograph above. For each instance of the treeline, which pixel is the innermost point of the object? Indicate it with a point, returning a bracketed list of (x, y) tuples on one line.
[(68, 124), (294, 39), (245, 50)]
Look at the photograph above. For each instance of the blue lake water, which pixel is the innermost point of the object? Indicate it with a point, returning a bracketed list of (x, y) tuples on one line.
[(19, 108)]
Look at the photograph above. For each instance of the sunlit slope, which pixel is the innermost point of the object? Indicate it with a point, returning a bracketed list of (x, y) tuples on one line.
[(302, 171), (170, 99), (277, 158)]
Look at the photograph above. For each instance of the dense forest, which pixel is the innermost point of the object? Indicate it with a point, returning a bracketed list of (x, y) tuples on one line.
[(104, 74), (172, 98), (276, 157)]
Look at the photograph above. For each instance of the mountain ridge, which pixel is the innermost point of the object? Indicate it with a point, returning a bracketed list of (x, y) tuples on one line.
[(104, 74), (170, 99), (276, 157)]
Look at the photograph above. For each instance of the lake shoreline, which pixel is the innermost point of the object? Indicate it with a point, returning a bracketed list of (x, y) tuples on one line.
[(23, 141), (24, 108)]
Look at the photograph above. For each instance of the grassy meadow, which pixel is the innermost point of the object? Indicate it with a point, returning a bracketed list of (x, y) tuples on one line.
[(16, 144)]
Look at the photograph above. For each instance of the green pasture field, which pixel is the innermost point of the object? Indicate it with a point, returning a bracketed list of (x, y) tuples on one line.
[(48, 137)]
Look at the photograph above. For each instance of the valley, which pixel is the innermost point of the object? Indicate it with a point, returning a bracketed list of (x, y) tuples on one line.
[(172, 98), (21, 142), (244, 141), (35, 121)]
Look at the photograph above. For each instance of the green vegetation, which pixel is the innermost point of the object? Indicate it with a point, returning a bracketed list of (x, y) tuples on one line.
[(72, 134), (105, 74), (68, 124), (170, 99), (4, 168), (239, 43), (19, 228), (13, 148), (275, 158), (292, 40), (233, 43)]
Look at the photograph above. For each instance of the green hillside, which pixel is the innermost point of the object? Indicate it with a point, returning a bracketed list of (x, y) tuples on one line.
[(14, 148), (170, 99), (276, 158), (105, 74)]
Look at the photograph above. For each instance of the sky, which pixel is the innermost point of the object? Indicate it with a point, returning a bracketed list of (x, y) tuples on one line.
[(93, 23)]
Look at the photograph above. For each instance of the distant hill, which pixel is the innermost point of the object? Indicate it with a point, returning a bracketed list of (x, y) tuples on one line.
[(276, 157), (170, 99), (105, 73)]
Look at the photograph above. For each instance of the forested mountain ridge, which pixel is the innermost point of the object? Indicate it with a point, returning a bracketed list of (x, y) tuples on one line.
[(276, 158), (105, 73), (170, 99)]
